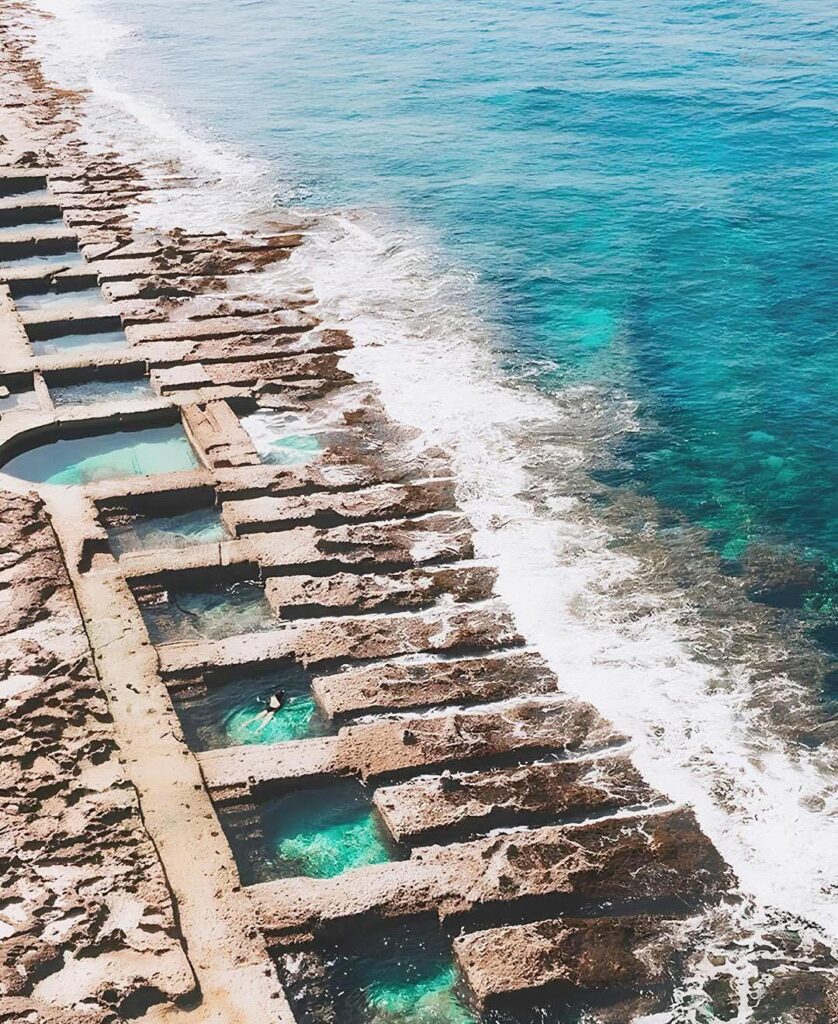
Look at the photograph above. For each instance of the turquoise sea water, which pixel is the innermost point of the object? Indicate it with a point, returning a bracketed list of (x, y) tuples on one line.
[(230, 713), (179, 530), (398, 975), (646, 191), (322, 832), (212, 614)]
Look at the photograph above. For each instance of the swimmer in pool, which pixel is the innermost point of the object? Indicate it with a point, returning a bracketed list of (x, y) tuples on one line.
[(274, 703)]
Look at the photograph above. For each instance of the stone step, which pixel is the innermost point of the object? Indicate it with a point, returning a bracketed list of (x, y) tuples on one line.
[(24, 211), (412, 682), (357, 638), (28, 241), (384, 501), (472, 802), (326, 474), (284, 367), (657, 856), (220, 326), (235, 349), (15, 179), (599, 957), (305, 596), (438, 537), (391, 746)]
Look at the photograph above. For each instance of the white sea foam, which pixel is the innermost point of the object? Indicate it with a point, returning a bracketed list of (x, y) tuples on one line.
[(771, 813), (697, 733)]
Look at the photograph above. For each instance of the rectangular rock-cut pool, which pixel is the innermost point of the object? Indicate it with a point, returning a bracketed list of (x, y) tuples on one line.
[(95, 391), (209, 614), (37, 261), (15, 231), (398, 974), (105, 456), (50, 342), (56, 300), (318, 832), (231, 711), (176, 530)]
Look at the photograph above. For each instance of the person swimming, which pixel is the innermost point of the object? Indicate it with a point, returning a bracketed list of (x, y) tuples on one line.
[(274, 703)]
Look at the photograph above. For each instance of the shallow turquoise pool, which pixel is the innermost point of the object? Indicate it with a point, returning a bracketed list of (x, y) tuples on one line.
[(322, 832), (111, 456), (229, 713), (56, 301), (39, 260), (95, 391), (79, 340), (210, 614), (402, 974), (198, 526)]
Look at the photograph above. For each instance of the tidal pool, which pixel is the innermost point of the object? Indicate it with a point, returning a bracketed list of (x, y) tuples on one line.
[(57, 300), (320, 832), (24, 187), (18, 400), (9, 230), (75, 341), (71, 259), (281, 438), (228, 713), (404, 974), (110, 456), (95, 391), (178, 530), (210, 614)]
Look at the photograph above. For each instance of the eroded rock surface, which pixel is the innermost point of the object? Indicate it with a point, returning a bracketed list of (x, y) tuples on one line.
[(86, 922)]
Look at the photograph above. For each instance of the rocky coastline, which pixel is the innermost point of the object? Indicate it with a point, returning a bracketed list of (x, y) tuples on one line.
[(523, 828)]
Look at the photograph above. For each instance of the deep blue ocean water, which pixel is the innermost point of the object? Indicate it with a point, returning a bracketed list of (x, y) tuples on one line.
[(646, 190)]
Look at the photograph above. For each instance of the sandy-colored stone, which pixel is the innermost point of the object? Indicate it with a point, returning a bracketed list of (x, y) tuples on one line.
[(603, 956), (390, 746), (660, 856), (413, 682), (479, 801), (86, 915), (305, 596)]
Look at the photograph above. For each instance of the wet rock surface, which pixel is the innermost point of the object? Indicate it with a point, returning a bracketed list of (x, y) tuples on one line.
[(602, 955), (469, 801)]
